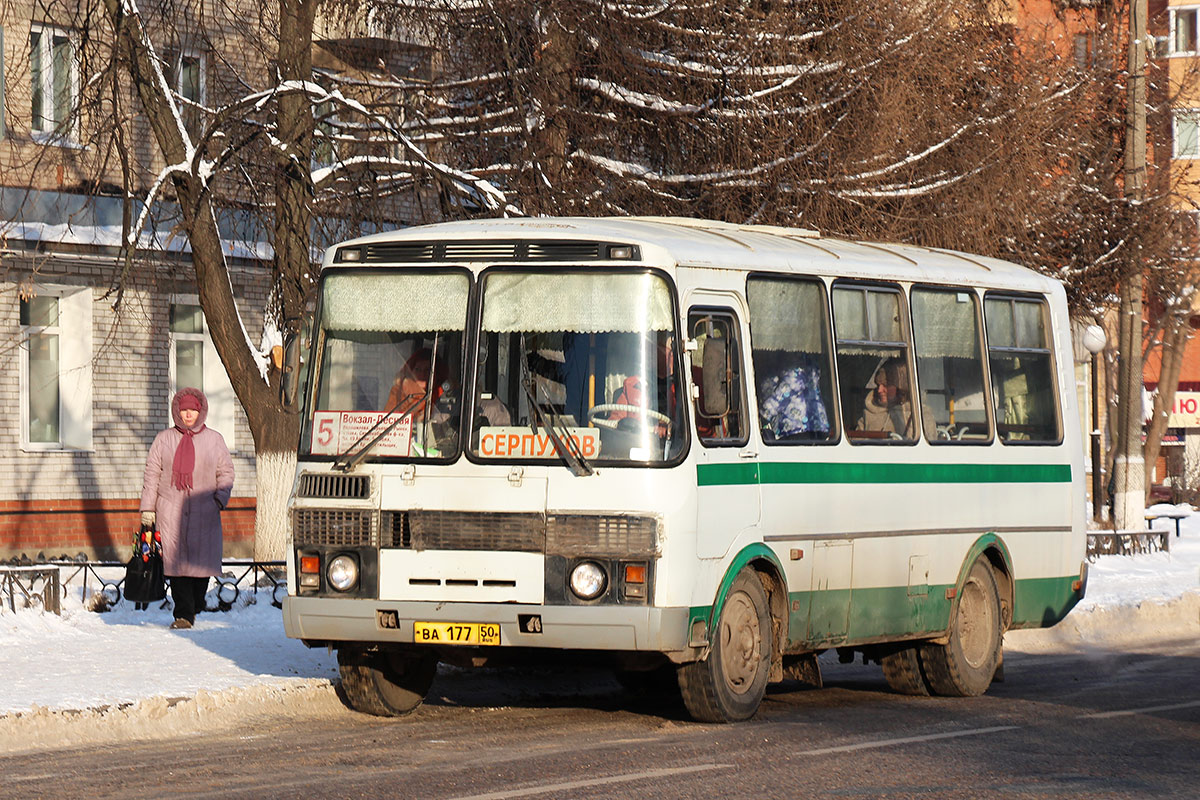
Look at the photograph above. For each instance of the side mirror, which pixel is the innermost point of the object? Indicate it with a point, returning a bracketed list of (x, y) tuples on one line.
[(714, 397), (289, 381)]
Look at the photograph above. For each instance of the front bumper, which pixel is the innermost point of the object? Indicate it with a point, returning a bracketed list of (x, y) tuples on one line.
[(622, 628)]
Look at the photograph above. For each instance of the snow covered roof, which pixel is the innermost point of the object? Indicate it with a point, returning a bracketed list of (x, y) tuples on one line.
[(678, 241)]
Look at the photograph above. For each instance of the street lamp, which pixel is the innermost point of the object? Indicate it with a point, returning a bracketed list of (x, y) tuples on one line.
[(1094, 340)]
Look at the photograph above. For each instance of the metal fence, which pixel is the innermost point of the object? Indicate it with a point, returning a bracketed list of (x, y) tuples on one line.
[(45, 585), (1127, 543)]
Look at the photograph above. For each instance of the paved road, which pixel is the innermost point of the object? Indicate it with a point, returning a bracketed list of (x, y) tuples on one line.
[(1063, 725)]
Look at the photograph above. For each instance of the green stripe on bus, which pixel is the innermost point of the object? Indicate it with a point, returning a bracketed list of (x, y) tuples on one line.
[(827, 472)]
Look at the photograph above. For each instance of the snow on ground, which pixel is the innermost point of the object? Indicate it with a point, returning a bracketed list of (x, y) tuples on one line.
[(128, 663)]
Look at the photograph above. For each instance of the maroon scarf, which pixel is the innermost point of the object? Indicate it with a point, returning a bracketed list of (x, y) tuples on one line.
[(185, 459)]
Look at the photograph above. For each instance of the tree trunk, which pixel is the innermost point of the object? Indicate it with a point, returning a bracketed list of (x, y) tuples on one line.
[(1129, 464), (1175, 339)]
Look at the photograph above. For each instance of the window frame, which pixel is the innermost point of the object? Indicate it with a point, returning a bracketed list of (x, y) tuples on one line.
[(906, 343), (834, 407), (1173, 30), (1056, 390), (738, 350), (75, 424), (187, 104), (984, 363), (1176, 115), (326, 122), (3, 128), (58, 131)]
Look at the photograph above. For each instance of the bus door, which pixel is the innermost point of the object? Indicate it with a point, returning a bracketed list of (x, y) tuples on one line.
[(727, 463)]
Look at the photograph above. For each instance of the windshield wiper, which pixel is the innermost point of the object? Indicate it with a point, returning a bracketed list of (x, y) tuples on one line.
[(346, 464), (566, 446)]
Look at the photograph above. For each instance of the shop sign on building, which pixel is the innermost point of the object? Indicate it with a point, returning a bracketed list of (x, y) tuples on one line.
[(1186, 411)]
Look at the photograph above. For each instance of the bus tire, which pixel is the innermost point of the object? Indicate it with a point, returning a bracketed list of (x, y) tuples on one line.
[(729, 683), (385, 684), (964, 665), (902, 671)]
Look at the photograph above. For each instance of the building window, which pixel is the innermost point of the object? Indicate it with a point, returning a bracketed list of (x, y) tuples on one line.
[(325, 124), (1083, 50), (191, 85), (53, 79), (1, 82), (56, 371), (1186, 133), (1184, 30), (194, 362)]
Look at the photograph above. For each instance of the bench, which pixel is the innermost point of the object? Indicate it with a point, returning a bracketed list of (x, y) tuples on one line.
[(1175, 515)]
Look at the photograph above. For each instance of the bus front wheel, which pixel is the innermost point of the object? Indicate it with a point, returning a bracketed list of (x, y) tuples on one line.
[(964, 665), (729, 684), (386, 684)]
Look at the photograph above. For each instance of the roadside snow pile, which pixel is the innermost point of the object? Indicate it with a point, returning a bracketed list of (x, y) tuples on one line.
[(160, 716), (83, 660)]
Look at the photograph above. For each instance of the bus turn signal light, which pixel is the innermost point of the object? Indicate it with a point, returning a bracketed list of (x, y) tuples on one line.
[(635, 573), (310, 564)]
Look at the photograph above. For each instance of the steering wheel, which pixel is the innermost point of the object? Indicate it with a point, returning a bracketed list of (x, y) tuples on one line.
[(611, 424)]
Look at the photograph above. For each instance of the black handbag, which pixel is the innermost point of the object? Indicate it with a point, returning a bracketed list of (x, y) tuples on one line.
[(144, 580)]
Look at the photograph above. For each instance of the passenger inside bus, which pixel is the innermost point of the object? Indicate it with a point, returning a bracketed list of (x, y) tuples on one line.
[(888, 404), (412, 382), (411, 393), (639, 405)]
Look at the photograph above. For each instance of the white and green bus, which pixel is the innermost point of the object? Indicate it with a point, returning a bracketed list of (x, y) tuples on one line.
[(672, 444)]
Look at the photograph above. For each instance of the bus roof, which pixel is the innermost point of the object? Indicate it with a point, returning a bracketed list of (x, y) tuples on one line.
[(680, 241)]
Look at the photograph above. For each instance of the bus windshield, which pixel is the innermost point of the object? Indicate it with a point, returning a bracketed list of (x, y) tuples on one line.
[(388, 348), (586, 358)]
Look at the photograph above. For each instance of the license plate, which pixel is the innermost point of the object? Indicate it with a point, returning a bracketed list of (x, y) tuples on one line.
[(456, 632)]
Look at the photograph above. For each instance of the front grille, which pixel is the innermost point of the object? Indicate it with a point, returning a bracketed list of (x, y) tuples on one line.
[(559, 534), (468, 530), (329, 485), (394, 530), (334, 527), (601, 535)]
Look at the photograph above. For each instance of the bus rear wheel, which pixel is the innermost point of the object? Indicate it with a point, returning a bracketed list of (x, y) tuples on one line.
[(964, 665), (729, 684), (386, 684), (902, 671)]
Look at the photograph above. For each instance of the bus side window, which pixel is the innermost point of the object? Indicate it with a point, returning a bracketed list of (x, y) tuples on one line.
[(793, 366), (717, 375), (873, 364), (1024, 391), (947, 344)]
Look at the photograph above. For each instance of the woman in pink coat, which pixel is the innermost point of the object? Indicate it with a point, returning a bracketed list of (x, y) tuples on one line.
[(188, 480)]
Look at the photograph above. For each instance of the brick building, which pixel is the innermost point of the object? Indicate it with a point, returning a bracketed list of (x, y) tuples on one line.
[(85, 387)]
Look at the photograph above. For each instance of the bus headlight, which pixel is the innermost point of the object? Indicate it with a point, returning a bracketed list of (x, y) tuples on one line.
[(588, 580), (342, 573)]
